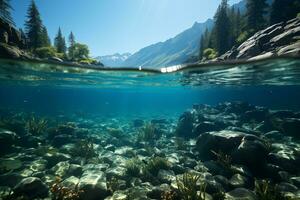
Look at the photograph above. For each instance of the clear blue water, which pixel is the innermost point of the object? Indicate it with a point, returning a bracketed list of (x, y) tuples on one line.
[(100, 121), (52, 89)]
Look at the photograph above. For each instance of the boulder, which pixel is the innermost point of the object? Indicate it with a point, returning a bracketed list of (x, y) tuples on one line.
[(31, 187), (93, 185), (291, 127), (185, 125), (7, 140), (240, 194), (252, 152), (223, 141)]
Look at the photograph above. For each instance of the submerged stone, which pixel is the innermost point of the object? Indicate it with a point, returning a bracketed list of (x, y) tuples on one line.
[(31, 187)]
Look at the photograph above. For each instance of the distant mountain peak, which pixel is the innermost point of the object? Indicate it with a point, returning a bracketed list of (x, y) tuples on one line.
[(114, 60)]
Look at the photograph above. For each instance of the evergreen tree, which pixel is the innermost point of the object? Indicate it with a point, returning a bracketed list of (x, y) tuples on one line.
[(201, 49), (60, 43), (256, 10), (46, 42), (34, 27), (5, 9), (283, 10), (71, 39), (221, 29), (71, 46)]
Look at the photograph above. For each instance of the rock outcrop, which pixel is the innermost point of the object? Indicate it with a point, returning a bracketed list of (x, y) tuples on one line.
[(9, 35), (282, 39)]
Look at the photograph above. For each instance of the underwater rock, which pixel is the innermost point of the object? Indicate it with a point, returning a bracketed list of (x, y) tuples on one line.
[(31, 187), (205, 126), (291, 127), (61, 140), (185, 125), (7, 139), (54, 158), (252, 152), (238, 181), (286, 187), (93, 185), (258, 115), (240, 194), (10, 179), (274, 135), (166, 176), (225, 141), (157, 191)]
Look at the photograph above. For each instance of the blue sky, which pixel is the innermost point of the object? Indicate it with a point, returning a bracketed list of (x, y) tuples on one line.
[(118, 26)]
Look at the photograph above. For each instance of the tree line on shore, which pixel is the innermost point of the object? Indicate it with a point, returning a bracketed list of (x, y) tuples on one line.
[(232, 28), (38, 42)]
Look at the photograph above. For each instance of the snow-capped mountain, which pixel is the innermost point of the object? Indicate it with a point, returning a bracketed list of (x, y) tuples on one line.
[(114, 60)]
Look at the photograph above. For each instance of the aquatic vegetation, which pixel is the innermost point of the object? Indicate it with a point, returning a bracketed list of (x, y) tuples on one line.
[(180, 143), (223, 159), (265, 190), (171, 195), (117, 133), (60, 192), (148, 133), (84, 149), (36, 126), (133, 167), (218, 196), (155, 164), (188, 187), (112, 184)]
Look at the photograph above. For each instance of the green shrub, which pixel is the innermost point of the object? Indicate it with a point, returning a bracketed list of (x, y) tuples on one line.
[(88, 61), (209, 54), (45, 52), (243, 36)]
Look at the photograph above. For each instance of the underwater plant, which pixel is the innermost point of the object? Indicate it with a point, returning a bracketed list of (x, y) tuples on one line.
[(148, 133), (60, 192), (171, 195), (84, 149), (223, 159), (155, 164), (267, 191), (180, 143), (117, 133), (188, 187), (36, 126), (112, 184), (133, 167)]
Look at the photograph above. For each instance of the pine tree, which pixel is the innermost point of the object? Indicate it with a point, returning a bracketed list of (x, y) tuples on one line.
[(256, 10), (5, 11), (221, 29), (60, 43), (71, 46), (46, 42), (71, 39), (201, 49), (34, 27)]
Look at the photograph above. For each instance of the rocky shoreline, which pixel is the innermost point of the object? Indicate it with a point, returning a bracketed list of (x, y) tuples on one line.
[(230, 151), (13, 46), (281, 39)]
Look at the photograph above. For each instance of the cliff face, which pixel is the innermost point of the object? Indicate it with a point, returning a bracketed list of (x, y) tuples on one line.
[(282, 39), (9, 35)]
